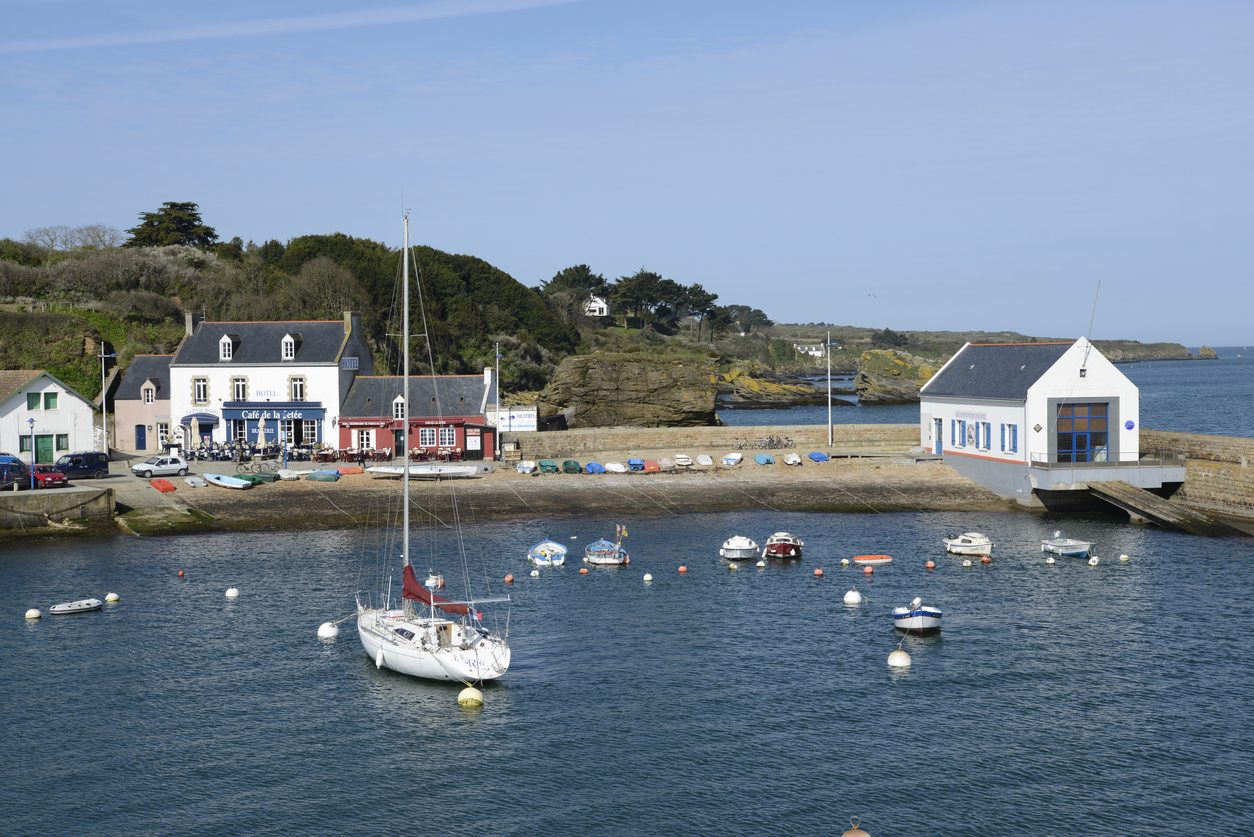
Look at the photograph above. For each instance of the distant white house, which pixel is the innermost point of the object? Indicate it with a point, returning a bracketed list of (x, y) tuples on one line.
[(42, 418), (1030, 421), (811, 349), (596, 306)]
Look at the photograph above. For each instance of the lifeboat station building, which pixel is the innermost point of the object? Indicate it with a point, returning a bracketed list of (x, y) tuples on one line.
[(230, 380), (1037, 422), (447, 419)]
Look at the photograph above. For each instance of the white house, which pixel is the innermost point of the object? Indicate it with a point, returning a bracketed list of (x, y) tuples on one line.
[(1034, 421), (596, 306), (290, 377), (39, 415), (811, 349)]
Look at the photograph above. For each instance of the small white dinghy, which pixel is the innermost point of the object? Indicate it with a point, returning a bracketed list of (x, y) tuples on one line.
[(733, 458), (80, 606), (917, 618), (1067, 547), (526, 466), (704, 459), (195, 482), (547, 554), (616, 467), (792, 459), (288, 474)]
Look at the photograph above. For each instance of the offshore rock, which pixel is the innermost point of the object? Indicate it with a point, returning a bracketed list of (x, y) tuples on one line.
[(890, 376), (606, 389), (1207, 353), (1127, 351), (746, 388)]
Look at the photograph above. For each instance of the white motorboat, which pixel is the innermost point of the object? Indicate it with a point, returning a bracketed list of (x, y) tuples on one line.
[(917, 618), (1067, 547), (429, 636), (783, 545), (80, 606), (968, 543), (739, 548), (547, 554)]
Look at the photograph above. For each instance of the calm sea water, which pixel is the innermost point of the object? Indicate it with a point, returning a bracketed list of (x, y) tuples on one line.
[(1057, 700), (1185, 396)]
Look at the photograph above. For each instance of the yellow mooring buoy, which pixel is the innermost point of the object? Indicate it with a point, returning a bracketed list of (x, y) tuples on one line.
[(470, 698)]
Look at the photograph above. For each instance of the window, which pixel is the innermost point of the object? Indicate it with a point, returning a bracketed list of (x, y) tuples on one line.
[(235, 430), (448, 437), (1082, 432), (200, 390), (239, 389), (426, 437), (365, 439), (225, 349), (286, 427), (310, 429), (23, 443), (296, 388), (986, 435), (32, 401), (50, 400), (163, 432), (958, 434), (150, 395), (63, 441), (289, 348), (1012, 438), (398, 408)]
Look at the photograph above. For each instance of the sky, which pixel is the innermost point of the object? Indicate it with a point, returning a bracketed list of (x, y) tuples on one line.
[(1053, 168)]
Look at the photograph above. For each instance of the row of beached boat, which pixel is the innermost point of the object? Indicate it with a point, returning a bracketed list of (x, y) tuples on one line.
[(639, 465)]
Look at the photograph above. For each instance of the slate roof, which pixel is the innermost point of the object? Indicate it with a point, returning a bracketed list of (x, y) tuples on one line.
[(995, 370), (320, 341), (13, 381), (460, 395), (141, 369)]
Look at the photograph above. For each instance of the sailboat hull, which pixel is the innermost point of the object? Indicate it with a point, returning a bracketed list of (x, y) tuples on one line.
[(430, 648)]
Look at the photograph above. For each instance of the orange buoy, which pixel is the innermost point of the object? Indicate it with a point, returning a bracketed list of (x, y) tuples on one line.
[(509, 578), (583, 570), (931, 565), (180, 573), (682, 568), (818, 572), (868, 570), (986, 560)]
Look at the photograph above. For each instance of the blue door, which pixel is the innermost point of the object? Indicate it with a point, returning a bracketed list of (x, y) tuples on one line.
[(141, 437), (938, 430)]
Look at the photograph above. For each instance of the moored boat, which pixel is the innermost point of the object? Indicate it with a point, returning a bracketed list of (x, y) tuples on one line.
[(1067, 547), (917, 618), (606, 553), (739, 548), (195, 482), (288, 474), (227, 481), (547, 554), (968, 543), (572, 466), (79, 606), (872, 560), (782, 545)]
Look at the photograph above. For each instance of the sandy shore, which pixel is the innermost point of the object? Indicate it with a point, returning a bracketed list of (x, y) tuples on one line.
[(882, 484)]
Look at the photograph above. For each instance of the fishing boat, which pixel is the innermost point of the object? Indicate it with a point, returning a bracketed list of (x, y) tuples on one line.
[(783, 545), (606, 553), (872, 560), (80, 606), (526, 466), (739, 548), (792, 458), (227, 481), (968, 543), (428, 636), (917, 618), (764, 459), (547, 554), (818, 456), (1066, 547), (732, 458)]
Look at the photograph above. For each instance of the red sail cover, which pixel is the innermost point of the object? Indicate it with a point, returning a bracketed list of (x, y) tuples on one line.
[(414, 591)]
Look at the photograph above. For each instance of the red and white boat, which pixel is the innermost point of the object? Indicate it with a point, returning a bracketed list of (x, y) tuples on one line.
[(783, 545), (872, 560)]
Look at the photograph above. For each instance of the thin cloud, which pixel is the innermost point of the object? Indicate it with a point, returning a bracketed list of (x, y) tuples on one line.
[(440, 10)]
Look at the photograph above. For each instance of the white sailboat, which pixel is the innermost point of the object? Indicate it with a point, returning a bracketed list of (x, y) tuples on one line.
[(428, 636)]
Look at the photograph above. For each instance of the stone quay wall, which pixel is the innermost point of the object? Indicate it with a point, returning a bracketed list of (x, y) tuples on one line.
[(1218, 478), (35, 509)]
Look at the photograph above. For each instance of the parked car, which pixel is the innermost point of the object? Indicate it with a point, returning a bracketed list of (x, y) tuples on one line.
[(47, 476), (13, 472), (84, 463), (160, 466)]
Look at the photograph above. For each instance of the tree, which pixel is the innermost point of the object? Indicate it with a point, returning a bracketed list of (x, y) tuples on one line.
[(576, 278), (700, 304), (888, 339), (173, 223)]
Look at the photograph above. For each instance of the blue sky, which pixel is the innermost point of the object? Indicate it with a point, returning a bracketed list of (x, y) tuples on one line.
[(912, 165)]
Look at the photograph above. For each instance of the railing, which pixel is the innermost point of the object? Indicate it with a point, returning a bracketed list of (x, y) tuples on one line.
[(1149, 459)]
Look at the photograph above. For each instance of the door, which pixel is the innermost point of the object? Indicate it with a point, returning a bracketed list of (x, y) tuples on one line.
[(398, 442), (44, 449), (938, 431), (141, 437)]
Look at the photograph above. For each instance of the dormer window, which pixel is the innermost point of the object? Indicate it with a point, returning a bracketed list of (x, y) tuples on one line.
[(150, 395), (398, 408), (226, 347), (291, 342)]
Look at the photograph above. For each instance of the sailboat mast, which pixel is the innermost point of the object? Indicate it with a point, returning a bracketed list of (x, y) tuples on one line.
[(405, 396)]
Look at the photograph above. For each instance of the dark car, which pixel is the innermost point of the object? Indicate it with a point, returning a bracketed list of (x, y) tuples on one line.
[(13, 472), (47, 476), (84, 463)]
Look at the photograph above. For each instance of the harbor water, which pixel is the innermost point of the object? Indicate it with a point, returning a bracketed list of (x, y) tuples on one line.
[(1063, 699)]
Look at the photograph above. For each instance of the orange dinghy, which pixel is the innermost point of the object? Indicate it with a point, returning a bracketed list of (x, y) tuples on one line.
[(872, 560), (164, 486)]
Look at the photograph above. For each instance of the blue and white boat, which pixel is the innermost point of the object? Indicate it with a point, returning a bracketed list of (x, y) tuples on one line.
[(605, 553), (227, 481), (917, 618), (1066, 547), (547, 554), (764, 459)]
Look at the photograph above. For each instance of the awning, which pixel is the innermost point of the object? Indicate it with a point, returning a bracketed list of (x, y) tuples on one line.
[(202, 418)]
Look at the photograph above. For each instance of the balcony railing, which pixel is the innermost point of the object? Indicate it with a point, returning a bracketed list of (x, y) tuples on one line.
[(1101, 459)]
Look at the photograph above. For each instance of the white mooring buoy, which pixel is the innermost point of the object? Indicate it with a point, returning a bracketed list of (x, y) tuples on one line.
[(760, 564), (898, 659), (470, 698), (844, 562), (1093, 561), (966, 562), (112, 597), (1049, 560), (853, 598), (648, 577), (1123, 558), (34, 613), (733, 566), (535, 573), (328, 630), (232, 592)]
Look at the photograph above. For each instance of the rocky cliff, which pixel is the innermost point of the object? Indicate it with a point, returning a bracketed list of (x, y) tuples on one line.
[(889, 376), (632, 389)]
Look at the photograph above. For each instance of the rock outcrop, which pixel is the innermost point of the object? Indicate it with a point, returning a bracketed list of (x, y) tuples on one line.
[(632, 390), (748, 387), (889, 376), (1207, 353)]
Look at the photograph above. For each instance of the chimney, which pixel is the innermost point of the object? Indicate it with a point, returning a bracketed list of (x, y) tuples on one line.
[(352, 322), (190, 322)]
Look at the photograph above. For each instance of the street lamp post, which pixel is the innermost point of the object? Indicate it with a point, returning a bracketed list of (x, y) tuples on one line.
[(31, 422), (104, 401), (828, 350), (496, 380)]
